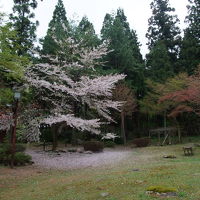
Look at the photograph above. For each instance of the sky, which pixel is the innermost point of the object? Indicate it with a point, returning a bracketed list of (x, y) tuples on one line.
[(137, 11)]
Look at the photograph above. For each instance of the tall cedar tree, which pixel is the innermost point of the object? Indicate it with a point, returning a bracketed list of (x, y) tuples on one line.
[(57, 30), (190, 48), (163, 29), (125, 56), (158, 62), (23, 24), (85, 31)]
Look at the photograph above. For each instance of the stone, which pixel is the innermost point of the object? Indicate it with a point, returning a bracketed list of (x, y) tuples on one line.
[(168, 194), (135, 170), (80, 150), (104, 194), (88, 152), (169, 156), (139, 181)]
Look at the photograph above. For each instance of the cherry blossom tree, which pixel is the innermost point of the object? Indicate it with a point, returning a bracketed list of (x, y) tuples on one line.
[(68, 82)]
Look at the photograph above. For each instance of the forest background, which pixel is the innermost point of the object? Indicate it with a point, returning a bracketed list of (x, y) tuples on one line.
[(161, 89)]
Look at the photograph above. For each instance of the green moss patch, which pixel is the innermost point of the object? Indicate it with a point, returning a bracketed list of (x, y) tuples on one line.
[(161, 189)]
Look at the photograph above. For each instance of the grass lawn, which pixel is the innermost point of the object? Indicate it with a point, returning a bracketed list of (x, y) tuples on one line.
[(126, 181)]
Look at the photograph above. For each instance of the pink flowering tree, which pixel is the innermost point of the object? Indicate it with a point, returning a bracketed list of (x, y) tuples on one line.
[(67, 86)]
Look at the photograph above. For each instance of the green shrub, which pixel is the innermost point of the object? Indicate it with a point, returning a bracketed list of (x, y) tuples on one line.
[(141, 142), (94, 146), (109, 143), (20, 158)]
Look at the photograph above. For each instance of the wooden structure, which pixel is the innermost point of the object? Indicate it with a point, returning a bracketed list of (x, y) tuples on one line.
[(168, 133), (188, 151)]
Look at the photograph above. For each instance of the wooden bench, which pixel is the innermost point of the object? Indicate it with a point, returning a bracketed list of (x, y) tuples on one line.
[(188, 151)]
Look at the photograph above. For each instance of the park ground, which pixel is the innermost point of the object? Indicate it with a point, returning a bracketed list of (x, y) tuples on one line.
[(125, 179)]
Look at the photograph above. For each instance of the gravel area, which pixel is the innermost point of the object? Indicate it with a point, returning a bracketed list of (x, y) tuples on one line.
[(75, 160)]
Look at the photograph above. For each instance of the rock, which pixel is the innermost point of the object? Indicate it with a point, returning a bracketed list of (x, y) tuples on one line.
[(139, 182), (88, 152), (104, 194), (80, 150), (135, 170), (164, 194), (169, 156), (168, 194)]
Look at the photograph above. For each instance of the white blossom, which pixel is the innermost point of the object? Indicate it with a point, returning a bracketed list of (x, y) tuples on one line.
[(75, 122), (109, 136)]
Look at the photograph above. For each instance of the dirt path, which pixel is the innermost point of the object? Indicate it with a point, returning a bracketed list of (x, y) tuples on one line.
[(78, 160)]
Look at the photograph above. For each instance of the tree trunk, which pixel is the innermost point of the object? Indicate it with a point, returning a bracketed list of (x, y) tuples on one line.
[(165, 121), (123, 128), (74, 138), (55, 137), (179, 130)]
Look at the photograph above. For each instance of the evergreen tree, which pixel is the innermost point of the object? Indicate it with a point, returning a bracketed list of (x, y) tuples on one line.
[(11, 65), (85, 32), (59, 29), (158, 62), (193, 19), (106, 28), (22, 22), (125, 56), (163, 26), (190, 47)]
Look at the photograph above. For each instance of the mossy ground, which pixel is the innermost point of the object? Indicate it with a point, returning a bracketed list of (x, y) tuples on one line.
[(121, 182)]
